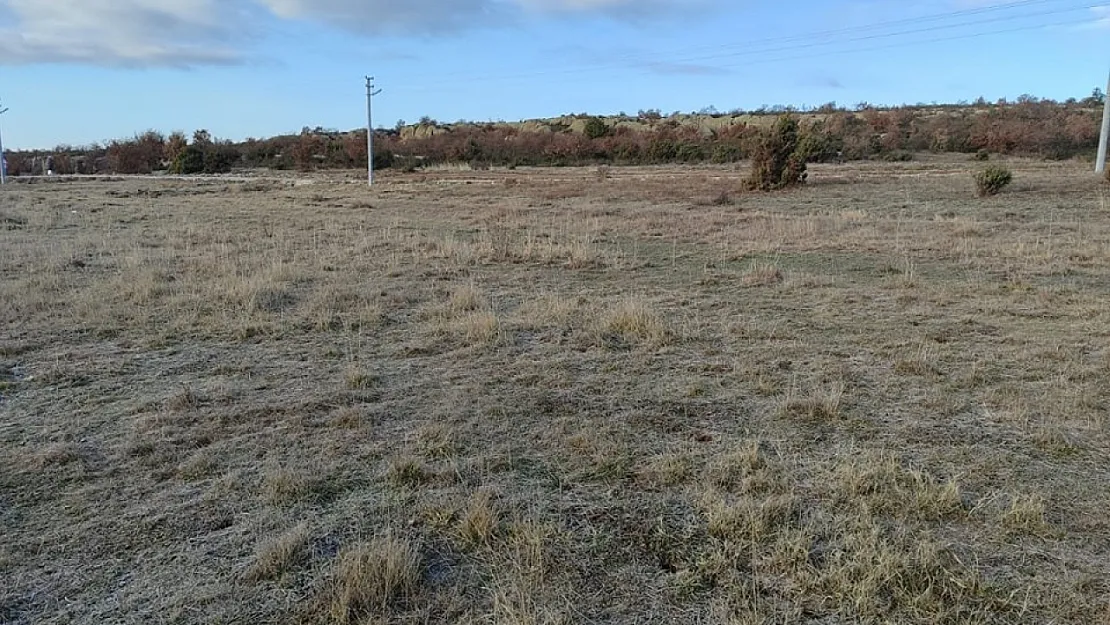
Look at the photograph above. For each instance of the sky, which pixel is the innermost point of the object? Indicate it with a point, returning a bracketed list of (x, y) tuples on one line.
[(82, 71)]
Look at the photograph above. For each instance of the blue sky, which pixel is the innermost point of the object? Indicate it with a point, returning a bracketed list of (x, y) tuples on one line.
[(79, 71)]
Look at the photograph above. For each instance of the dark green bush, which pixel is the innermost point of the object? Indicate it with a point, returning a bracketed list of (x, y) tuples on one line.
[(895, 156), (188, 161), (204, 158), (777, 162), (992, 180), (596, 128), (982, 155), (219, 158), (727, 153)]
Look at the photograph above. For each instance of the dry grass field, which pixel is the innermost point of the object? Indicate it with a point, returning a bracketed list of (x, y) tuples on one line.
[(556, 397)]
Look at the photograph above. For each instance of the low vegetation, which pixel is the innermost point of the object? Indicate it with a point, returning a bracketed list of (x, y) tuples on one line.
[(992, 180), (1026, 127), (778, 162), (573, 398)]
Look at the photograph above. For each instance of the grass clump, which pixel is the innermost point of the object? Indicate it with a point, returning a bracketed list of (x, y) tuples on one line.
[(480, 520), (407, 471), (878, 483), (357, 379), (279, 555), (634, 321), (819, 405), (762, 275), (1026, 515), (283, 485), (371, 577), (992, 180)]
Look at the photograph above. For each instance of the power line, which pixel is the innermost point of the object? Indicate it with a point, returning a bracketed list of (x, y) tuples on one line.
[(878, 25), (905, 44), (917, 31), (623, 61)]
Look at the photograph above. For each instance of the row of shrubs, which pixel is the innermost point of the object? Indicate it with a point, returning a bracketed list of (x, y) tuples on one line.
[(1029, 127)]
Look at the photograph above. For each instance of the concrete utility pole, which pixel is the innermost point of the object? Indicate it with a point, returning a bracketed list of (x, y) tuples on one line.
[(3, 160), (370, 93), (1104, 138)]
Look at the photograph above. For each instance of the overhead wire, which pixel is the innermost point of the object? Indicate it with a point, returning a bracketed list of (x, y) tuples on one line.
[(753, 51)]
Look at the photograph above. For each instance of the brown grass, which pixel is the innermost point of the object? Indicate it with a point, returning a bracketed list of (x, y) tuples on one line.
[(279, 555), (635, 321), (873, 399), (371, 578)]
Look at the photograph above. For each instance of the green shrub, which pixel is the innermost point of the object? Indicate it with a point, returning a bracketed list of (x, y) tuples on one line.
[(219, 158), (992, 180), (596, 128), (724, 153), (982, 155), (204, 158), (188, 161), (816, 147), (777, 162), (895, 156)]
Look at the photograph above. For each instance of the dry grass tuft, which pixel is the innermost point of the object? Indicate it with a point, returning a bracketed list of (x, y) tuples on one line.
[(438, 441), (820, 404), (520, 604), (184, 400), (56, 455), (348, 418), (407, 471), (1027, 516), (279, 555), (479, 520), (750, 519), (372, 577), (878, 483), (549, 311), (599, 456), (477, 328), (921, 363), (198, 466), (634, 321), (529, 547), (469, 317), (762, 275), (358, 379), (744, 469), (466, 299), (285, 485), (668, 470)]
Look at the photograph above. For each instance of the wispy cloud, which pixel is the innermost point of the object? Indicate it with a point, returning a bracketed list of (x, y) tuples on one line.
[(205, 32), (1101, 17)]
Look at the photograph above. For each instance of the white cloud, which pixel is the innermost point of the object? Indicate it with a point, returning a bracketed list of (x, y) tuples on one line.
[(391, 16), (202, 32), (117, 32)]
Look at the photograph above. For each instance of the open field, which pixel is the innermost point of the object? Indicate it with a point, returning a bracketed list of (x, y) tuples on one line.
[(557, 396)]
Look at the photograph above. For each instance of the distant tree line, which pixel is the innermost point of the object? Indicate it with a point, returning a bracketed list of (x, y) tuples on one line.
[(1027, 127)]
